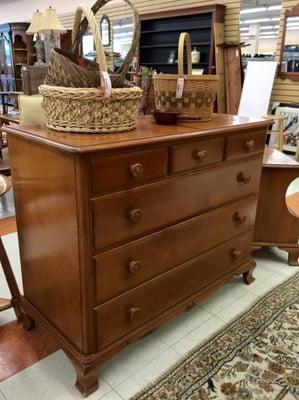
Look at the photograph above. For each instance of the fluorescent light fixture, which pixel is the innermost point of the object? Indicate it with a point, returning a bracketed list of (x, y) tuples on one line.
[(293, 28), (252, 10), (244, 29), (268, 33), (264, 28), (292, 24), (258, 20), (268, 37), (293, 19), (118, 26), (273, 8)]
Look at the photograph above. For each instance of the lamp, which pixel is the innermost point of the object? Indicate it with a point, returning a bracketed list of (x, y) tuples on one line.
[(51, 25), (34, 28)]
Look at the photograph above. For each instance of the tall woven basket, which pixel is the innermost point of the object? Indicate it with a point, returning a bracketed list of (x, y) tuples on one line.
[(89, 110), (197, 98)]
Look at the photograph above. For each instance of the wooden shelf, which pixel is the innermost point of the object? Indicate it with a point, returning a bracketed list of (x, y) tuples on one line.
[(175, 29), (153, 46)]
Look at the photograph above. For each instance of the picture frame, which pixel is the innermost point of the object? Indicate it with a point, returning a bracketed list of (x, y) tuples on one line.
[(291, 126)]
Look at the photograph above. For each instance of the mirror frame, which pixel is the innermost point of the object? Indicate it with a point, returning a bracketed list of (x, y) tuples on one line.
[(106, 18), (292, 12)]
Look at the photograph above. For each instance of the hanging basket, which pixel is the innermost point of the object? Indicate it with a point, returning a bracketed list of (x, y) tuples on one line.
[(198, 92), (63, 69), (91, 110)]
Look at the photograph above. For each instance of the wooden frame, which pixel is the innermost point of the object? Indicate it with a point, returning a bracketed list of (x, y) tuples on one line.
[(106, 18), (293, 12)]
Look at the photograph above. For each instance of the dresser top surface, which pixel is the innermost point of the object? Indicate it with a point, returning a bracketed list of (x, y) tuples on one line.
[(146, 132)]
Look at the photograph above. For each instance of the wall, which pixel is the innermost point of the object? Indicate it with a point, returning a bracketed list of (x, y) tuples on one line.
[(116, 11), (285, 90)]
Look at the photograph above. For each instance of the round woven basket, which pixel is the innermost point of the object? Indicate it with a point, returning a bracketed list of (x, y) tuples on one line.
[(199, 93), (89, 110)]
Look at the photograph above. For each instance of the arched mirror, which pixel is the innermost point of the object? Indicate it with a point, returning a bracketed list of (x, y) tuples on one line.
[(105, 31), (289, 55)]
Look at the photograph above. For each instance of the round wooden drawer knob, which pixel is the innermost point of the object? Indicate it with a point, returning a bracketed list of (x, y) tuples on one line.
[(243, 178), (136, 169), (134, 313), (250, 145), (235, 253), (240, 218), (201, 155), (135, 215), (134, 266)]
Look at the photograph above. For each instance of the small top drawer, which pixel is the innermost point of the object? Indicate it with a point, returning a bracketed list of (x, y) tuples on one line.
[(131, 169), (197, 154), (245, 144)]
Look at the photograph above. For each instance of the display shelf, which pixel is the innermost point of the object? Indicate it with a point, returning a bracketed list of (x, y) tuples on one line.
[(160, 34)]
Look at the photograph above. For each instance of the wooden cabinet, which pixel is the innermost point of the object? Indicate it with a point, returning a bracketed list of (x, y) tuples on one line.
[(16, 50), (134, 229)]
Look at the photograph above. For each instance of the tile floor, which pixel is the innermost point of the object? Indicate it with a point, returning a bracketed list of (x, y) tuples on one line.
[(140, 363)]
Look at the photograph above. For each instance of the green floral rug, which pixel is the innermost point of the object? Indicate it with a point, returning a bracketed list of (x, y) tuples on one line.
[(256, 357)]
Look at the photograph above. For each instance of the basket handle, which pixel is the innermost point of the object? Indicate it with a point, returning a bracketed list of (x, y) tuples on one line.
[(131, 53), (82, 9), (184, 40)]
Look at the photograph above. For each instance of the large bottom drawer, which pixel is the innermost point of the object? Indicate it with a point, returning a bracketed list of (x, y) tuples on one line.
[(130, 310), (128, 266)]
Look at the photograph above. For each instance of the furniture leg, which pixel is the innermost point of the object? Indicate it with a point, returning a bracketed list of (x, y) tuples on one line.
[(87, 377), (293, 258), (248, 276), (11, 280)]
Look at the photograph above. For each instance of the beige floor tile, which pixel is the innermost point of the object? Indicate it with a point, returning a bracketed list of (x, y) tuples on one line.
[(131, 359), (52, 378), (198, 335), (237, 307), (111, 396), (180, 327), (147, 374)]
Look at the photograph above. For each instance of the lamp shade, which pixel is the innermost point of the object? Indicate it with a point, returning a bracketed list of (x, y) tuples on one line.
[(51, 22), (36, 23)]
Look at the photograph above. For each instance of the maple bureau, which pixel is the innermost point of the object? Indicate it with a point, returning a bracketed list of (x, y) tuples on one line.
[(120, 233)]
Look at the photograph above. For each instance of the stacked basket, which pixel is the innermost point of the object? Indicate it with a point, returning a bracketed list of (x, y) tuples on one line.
[(89, 109)]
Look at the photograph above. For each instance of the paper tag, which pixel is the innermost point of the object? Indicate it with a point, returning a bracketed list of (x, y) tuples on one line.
[(107, 84), (180, 88)]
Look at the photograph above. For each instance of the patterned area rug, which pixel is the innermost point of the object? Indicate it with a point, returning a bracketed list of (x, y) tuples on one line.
[(256, 357)]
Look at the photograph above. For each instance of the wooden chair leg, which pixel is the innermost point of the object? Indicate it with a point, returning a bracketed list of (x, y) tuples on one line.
[(11, 281)]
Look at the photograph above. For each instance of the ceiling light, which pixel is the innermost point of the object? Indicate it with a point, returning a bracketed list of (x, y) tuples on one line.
[(244, 29), (292, 24), (263, 28), (268, 37), (252, 10), (269, 33), (273, 8), (293, 28)]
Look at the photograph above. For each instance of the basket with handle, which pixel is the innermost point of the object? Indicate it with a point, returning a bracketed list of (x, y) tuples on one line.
[(193, 96), (64, 71), (91, 110)]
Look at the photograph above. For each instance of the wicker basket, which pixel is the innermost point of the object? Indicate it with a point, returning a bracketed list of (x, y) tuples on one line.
[(63, 69), (87, 109), (199, 93)]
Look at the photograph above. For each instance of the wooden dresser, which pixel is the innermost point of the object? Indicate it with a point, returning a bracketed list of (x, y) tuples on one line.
[(122, 232)]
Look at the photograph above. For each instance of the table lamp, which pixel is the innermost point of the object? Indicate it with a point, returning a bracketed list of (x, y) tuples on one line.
[(34, 28), (51, 25)]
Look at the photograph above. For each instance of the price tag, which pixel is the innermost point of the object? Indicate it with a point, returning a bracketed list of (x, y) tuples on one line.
[(107, 84), (180, 88)]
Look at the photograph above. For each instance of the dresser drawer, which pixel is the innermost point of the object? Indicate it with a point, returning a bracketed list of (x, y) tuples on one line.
[(245, 144), (130, 310), (123, 216), (128, 266), (197, 154), (128, 169)]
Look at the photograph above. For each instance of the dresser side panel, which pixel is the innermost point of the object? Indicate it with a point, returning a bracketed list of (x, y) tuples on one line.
[(44, 185)]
